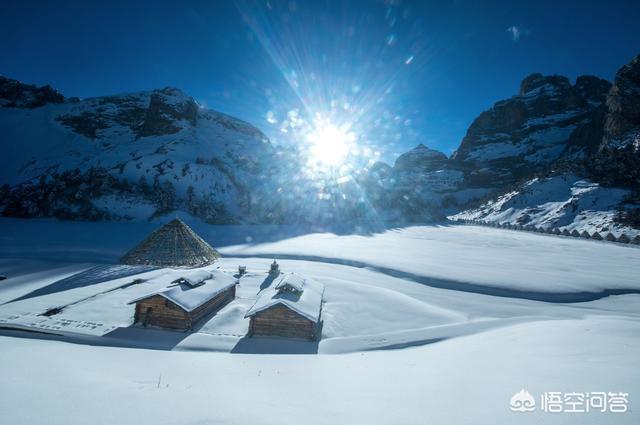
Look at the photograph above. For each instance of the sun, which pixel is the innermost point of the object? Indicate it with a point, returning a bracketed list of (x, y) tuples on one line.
[(330, 144)]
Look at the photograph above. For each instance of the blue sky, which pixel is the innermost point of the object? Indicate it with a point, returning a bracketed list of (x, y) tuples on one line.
[(399, 72)]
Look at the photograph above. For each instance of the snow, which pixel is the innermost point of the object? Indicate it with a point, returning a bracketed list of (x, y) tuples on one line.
[(194, 277), (37, 143), (547, 120), (547, 89), (306, 300), (543, 144), (563, 201), (291, 282), (497, 150), (459, 381), (413, 331), (189, 297), (476, 258), (125, 206)]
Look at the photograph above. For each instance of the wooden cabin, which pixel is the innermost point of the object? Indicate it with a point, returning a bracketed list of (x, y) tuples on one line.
[(290, 308), (181, 306)]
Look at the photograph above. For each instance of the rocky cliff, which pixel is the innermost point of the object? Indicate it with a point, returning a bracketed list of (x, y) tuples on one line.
[(618, 159), (576, 146), (549, 120), (593, 183)]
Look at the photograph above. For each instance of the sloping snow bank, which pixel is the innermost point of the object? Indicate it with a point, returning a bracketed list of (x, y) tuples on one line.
[(467, 380)]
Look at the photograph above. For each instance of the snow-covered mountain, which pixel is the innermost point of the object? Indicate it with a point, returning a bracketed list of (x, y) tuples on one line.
[(549, 121), (600, 189), (420, 186), (141, 155), (126, 156), (555, 154)]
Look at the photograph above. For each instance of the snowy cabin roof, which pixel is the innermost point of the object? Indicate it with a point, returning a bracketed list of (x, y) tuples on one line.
[(291, 282), (307, 301), (189, 298), (194, 278)]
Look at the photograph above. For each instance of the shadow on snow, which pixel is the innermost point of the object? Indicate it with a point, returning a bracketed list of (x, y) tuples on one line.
[(551, 297)]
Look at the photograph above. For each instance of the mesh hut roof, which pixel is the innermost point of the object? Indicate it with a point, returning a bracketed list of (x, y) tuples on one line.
[(172, 245)]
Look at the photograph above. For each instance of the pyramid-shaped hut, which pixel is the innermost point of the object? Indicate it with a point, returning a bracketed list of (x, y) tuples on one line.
[(173, 245)]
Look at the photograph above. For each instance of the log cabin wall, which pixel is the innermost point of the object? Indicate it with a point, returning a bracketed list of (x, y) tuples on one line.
[(282, 322), (158, 311)]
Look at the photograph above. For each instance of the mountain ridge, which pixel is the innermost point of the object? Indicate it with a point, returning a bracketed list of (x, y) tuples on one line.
[(143, 154)]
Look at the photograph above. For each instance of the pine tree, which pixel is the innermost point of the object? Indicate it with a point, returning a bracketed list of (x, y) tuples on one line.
[(143, 186), (5, 189), (167, 197), (191, 200)]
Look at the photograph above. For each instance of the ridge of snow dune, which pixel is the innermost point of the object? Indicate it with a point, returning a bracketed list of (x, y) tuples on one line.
[(502, 259)]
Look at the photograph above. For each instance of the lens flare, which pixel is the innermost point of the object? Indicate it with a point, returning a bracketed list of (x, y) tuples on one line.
[(330, 144)]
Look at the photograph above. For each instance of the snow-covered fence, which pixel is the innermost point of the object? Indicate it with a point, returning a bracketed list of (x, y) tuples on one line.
[(623, 239), (556, 231)]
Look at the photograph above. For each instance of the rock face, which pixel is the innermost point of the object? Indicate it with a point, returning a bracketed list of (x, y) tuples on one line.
[(549, 120), (157, 113), (166, 107), (14, 94), (622, 127), (618, 159)]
